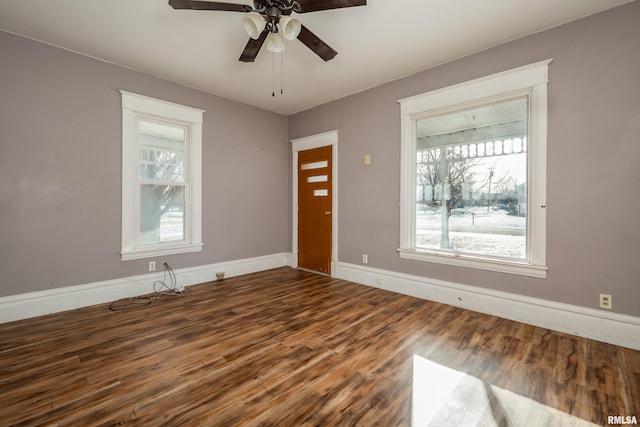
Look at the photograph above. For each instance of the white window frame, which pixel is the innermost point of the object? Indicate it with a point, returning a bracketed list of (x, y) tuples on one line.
[(136, 106), (531, 79)]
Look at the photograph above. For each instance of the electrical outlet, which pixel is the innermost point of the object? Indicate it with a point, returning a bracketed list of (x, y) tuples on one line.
[(365, 259), (152, 266), (605, 301)]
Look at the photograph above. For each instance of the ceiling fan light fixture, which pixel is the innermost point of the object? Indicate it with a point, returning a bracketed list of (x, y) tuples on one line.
[(289, 27), (254, 24), (274, 43)]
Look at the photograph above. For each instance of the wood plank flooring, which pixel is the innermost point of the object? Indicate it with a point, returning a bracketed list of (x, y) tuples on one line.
[(290, 348)]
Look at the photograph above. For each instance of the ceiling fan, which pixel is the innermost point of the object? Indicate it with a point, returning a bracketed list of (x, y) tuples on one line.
[(269, 20)]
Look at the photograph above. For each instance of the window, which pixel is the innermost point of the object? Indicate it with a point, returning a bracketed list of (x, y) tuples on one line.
[(474, 173), (161, 177)]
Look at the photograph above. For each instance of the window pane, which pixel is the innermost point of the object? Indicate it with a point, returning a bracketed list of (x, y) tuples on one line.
[(315, 165), (161, 151), (473, 203), (318, 178), (162, 213)]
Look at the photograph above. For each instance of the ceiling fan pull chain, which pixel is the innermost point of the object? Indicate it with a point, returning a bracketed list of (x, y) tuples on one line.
[(282, 72), (273, 74)]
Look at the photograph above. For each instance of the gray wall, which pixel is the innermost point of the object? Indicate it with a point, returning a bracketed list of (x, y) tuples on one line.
[(593, 214), (60, 171)]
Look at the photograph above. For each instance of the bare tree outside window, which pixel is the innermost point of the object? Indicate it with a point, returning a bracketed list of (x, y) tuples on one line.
[(161, 171)]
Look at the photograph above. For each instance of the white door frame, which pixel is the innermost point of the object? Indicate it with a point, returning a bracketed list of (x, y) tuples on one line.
[(308, 143)]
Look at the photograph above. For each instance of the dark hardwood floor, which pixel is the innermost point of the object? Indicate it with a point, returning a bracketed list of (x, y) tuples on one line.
[(290, 348)]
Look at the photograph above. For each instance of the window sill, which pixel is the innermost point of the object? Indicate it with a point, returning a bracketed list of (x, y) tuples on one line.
[(157, 251), (522, 269)]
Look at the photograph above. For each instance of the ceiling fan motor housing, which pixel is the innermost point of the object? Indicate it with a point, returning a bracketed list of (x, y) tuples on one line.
[(272, 16)]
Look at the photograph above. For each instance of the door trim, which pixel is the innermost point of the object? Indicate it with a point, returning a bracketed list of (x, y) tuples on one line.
[(307, 143)]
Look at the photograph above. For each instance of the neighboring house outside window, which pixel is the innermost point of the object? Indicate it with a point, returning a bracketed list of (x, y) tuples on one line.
[(474, 173), (161, 177)]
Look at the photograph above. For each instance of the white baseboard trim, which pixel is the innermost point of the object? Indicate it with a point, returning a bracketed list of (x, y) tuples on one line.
[(612, 328), (32, 304)]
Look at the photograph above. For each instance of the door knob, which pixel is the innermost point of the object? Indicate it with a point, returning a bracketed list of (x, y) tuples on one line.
[(327, 213)]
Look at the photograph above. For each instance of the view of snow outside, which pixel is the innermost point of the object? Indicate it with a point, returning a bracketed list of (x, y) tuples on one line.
[(491, 221), (475, 231), (172, 225)]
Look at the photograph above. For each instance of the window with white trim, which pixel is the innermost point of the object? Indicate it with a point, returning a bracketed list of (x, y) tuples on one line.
[(473, 184), (161, 177)]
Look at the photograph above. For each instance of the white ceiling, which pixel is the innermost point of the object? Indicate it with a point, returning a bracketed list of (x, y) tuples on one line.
[(377, 43)]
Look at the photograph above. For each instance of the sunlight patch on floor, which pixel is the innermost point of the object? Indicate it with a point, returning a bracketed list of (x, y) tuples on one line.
[(444, 396)]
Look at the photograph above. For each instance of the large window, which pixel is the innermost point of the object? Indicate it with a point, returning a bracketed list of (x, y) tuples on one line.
[(161, 177), (473, 173)]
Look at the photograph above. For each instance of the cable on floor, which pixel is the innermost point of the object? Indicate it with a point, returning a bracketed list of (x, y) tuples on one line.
[(160, 289)]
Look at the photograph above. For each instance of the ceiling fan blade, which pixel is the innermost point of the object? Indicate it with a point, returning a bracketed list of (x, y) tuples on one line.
[(209, 5), (316, 5), (314, 43), (253, 47)]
